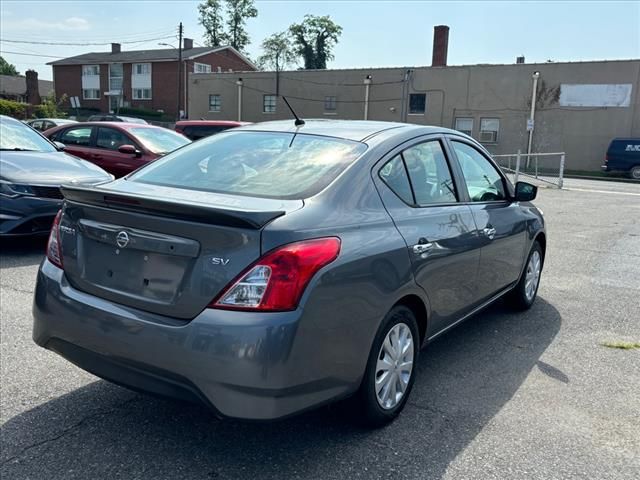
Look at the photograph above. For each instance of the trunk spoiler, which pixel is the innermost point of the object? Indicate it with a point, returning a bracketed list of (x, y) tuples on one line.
[(199, 212)]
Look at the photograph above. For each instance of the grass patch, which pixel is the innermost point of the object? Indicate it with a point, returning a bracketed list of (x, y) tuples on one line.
[(622, 345)]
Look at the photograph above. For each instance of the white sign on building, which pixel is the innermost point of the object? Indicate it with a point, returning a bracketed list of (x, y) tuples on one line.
[(595, 95)]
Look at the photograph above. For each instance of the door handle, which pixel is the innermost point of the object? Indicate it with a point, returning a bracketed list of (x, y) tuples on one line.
[(489, 232), (420, 248)]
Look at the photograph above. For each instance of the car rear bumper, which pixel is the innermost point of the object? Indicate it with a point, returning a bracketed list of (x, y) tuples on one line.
[(27, 215), (242, 364)]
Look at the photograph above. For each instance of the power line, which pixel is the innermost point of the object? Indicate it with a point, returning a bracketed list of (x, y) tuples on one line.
[(82, 44), (31, 54), (106, 38)]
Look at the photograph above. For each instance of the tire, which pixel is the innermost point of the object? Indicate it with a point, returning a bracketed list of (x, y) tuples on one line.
[(522, 296), (635, 172), (370, 409)]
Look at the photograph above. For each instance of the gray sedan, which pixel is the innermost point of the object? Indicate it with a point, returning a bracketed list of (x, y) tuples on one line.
[(274, 268)]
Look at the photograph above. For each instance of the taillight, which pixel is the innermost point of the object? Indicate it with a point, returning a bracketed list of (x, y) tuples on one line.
[(606, 158), (54, 248), (278, 279)]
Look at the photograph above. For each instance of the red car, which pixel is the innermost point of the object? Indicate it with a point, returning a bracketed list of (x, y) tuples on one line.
[(117, 147), (197, 129)]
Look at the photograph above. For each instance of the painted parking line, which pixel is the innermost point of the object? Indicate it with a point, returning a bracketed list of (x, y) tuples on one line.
[(574, 189)]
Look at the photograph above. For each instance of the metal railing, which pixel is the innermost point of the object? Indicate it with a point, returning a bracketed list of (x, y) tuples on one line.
[(534, 165)]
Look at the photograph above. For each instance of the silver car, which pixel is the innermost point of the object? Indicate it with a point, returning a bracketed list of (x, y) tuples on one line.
[(273, 268)]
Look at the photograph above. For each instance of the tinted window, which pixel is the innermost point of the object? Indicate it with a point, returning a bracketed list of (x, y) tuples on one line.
[(417, 103), (37, 124), (395, 176), (15, 135), (76, 136), (264, 164), (111, 138), (196, 132), (429, 174), (483, 181)]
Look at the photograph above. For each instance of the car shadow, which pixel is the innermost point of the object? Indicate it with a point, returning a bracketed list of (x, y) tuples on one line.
[(464, 379), (21, 251)]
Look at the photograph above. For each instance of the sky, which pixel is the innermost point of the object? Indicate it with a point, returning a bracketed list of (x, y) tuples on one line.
[(375, 33)]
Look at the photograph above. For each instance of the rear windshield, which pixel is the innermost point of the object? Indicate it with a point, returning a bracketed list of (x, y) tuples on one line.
[(259, 164)]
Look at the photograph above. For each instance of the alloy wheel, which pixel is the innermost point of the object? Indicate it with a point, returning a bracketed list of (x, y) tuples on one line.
[(532, 276)]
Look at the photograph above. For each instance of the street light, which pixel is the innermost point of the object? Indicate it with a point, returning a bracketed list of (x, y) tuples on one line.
[(179, 48)]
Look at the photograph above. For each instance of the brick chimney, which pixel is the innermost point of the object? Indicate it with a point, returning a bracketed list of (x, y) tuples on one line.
[(187, 44), (440, 46), (115, 48), (33, 91)]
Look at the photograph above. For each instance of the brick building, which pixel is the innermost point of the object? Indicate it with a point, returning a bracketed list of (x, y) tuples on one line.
[(146, 79)]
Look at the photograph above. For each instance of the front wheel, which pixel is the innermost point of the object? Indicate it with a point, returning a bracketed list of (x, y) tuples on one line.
[(390, 369), (524, 293)]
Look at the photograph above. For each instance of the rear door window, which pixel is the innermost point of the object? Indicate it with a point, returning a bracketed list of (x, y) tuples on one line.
[(429, 174), (395, 176), (76, 136), (262, 164)]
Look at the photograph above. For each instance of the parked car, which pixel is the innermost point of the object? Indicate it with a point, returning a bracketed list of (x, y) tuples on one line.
[(273, 268), (197, 129), (119, 148), (115, 118), (623, 155), (42, 124), (31, 171)]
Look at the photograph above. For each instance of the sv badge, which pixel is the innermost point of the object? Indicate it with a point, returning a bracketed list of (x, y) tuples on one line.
[(219, 261)]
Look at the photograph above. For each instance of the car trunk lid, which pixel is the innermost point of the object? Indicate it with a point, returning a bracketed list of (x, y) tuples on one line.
[(165, 250)]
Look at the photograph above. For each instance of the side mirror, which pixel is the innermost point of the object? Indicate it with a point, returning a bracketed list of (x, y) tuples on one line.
[(60, 146), (129, 150), (525, 192)]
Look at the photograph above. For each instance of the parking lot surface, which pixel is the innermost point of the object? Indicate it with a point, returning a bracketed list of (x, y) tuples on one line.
[(505, 395)]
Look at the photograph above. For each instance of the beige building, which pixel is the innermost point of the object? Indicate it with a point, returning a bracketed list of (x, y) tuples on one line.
[(579, 108)]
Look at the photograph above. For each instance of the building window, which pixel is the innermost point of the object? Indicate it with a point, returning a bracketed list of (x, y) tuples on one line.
[(330, 104), (269, 104), (116, 73), (417, 103), (90, 94), (142, 69), (142, 94), (489, 128), (214, 103), (201, 68), (88, 70), (464, 125)]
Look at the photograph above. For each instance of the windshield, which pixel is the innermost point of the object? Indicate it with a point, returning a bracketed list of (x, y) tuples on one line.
[(15, 135), (159, 140), (261, 164)]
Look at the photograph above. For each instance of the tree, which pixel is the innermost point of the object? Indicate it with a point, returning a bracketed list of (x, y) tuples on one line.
[(277, 52), (235, 16), (239, 11), (314, 39), (8, 69), (213, 22)]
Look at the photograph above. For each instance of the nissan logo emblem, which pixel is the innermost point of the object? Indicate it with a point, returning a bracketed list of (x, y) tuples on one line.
[(122, 239)]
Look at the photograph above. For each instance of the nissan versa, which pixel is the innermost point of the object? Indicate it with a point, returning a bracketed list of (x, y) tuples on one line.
[(276, 267)]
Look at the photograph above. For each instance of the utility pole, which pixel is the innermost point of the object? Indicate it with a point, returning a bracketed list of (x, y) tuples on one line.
[(179, 69)]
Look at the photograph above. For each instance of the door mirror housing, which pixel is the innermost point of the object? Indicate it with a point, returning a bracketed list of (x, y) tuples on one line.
[(129, 150), (60, 146), (525, 192)]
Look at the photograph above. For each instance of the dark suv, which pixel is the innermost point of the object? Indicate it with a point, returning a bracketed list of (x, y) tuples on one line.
[(623, 155)]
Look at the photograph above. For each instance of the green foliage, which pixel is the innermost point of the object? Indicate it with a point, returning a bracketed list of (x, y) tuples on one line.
[(277, 52), (140, 112), (314, 39), (12, 109), (235, 16), (7, 69), (50, 108)]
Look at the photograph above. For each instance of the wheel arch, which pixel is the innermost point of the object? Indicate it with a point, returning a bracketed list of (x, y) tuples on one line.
[(417, 306)]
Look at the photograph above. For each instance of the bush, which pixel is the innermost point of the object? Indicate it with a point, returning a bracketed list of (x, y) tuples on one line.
[(12, 109), (50, 108), (139, 112)]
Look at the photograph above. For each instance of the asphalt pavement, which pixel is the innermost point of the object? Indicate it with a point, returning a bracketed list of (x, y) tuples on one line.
[(505, 395)]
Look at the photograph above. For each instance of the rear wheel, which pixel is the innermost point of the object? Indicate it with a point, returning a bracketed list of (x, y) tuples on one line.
[(390, 369), (635, 172), (524, 293)]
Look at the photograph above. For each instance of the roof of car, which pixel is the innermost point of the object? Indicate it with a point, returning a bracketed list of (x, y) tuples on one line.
[(358, 130), (221, 123)]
